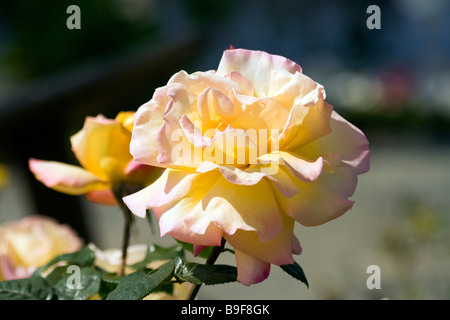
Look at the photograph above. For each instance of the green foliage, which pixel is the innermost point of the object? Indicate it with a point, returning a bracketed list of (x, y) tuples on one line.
[(139, 284), (207, 274), (33, 288), (295, 271), (156, 253), (190, 247), (75, 276)]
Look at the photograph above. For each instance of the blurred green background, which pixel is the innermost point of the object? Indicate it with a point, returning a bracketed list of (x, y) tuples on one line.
[(393, 83)]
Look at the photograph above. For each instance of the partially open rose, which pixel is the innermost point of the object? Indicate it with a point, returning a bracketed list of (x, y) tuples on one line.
[(102, 148), (249, 149)]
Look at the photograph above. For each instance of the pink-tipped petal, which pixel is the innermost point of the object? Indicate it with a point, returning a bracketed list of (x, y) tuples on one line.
[(251, 270), (193, 134), (278, 250), (65, 178), (256, 66), (213, 105), (197, 82), (172, 185), (346, 141), (148, 120), (303, 169), (103, 197), (245, 86), (295, 245), (171, 216), (198, 249)]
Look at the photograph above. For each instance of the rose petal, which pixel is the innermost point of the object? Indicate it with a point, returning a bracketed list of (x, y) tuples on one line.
[(193, 134), (346, 141), (171, 216), (321, 200), (256, 66), (278, 250), (103, 197), (148, 121), (306, 124), (172, 185), (295, 245), (294, 89), (197, 82), (250, 270), (260, 113), (197, 249), (174, 148), (103, 138), (214, 105), (231, 146), (303, 169), (222, 205), (127, 119), (65, 178), (252, 175), (245, 85)]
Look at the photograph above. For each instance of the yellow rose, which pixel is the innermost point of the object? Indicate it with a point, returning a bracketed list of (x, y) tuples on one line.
[(249, 149), (102, 148), (32, 242)]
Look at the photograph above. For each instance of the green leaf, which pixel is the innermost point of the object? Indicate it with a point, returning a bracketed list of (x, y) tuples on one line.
[(33, 288), (56, 275), (295, 271), (159, 253), (190, 247), (109, 283), (207, 274), (89, 285), (139, 284), (83, 258)]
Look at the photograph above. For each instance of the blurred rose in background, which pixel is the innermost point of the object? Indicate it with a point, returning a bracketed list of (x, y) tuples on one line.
[(31, 242)]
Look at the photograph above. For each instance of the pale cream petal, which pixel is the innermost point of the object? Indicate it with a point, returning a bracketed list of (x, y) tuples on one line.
[(321, 200), (256, 66), (304, 169), (149, 118), (346, 142), (171, 186)]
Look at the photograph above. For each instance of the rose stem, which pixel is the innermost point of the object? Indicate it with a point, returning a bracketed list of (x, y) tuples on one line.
[(210, 261), (119, 193)]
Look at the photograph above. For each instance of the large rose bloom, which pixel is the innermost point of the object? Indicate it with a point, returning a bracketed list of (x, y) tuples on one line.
[(249, 149)]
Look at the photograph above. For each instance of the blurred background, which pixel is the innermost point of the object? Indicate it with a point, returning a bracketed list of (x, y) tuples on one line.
[(393, 83)]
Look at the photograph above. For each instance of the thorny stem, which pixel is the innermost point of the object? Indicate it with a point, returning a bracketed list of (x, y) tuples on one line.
[(119, 192), (210, 261)]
